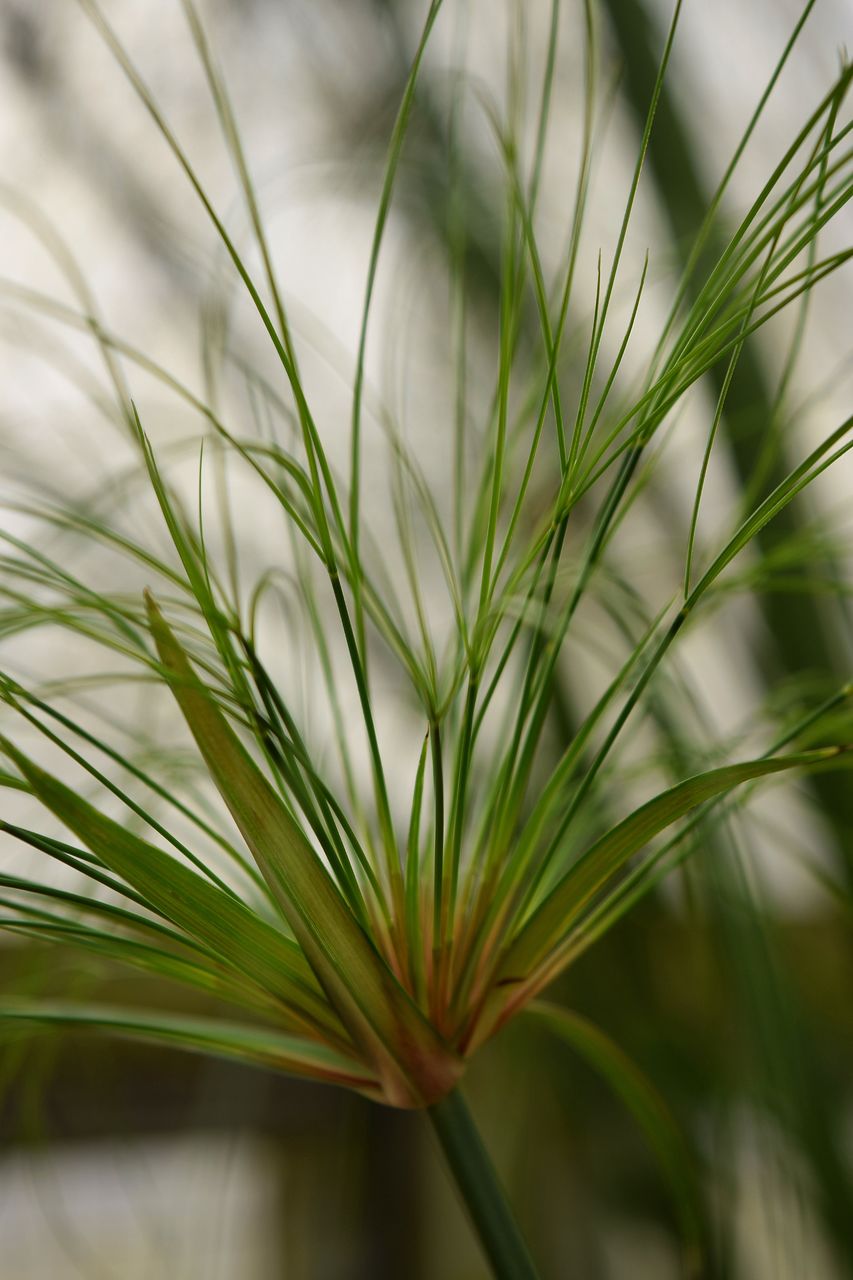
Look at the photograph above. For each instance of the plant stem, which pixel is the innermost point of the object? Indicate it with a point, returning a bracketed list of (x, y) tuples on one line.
[(480, 1189)]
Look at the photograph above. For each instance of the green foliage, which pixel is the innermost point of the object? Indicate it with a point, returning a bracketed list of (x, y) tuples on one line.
[(361, 947)]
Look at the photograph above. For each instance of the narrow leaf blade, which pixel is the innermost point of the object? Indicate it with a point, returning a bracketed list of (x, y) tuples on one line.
[(218, 919), (262, 1046), (551, 920), (676, 1162), (416, 1065)]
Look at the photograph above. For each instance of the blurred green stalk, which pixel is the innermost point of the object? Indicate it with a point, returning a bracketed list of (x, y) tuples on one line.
[(480, 1189)]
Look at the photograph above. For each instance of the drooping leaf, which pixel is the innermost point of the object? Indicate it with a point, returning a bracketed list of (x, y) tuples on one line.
[(116, 949), (262, 1046), (665, 1138)]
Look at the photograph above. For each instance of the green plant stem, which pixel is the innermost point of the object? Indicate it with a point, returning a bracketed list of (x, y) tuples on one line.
[(480, 1189)]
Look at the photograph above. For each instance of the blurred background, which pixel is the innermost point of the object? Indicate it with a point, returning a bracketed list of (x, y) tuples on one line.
[(732, 989)]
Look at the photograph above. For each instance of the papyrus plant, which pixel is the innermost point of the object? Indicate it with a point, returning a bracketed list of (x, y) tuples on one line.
[(343, 943)]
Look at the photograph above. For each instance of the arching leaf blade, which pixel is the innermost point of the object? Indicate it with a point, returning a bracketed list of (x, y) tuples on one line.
[(551, 920), (262, 1046), (670, 1148)]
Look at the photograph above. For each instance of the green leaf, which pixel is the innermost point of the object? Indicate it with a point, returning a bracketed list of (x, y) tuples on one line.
[(262, 1046), (415, 1064), (219, 919), (119, 950), (548, 924), (673, 1155)]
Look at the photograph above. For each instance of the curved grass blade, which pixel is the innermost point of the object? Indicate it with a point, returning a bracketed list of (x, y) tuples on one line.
[(78, 906), (261, 1046), (169, 965), (675, 1160)]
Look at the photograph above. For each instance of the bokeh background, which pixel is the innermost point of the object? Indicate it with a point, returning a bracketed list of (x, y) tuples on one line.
[(734, 992)]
